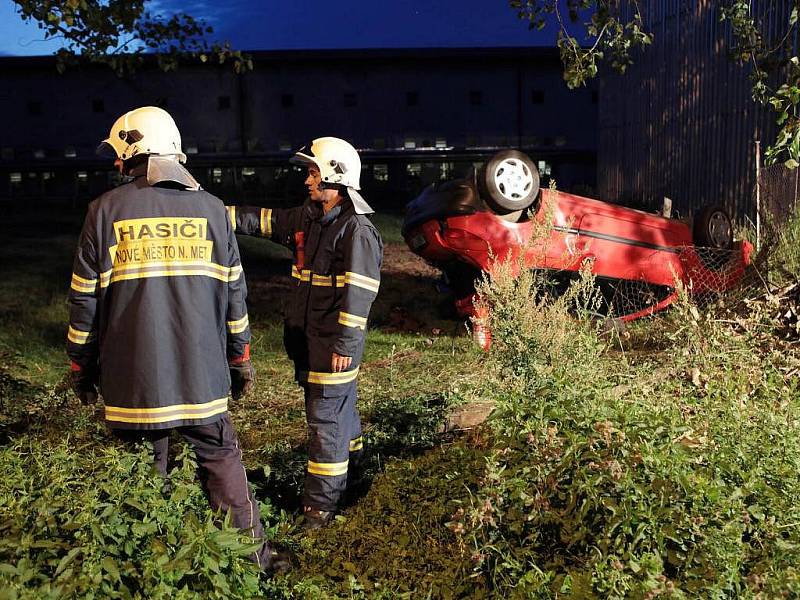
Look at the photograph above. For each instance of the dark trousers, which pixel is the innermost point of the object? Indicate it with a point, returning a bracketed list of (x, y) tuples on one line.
[(334, 443), (334, 427), (220, 470)]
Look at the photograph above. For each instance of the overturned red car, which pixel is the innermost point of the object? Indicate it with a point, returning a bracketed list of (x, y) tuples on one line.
[(464, 226)]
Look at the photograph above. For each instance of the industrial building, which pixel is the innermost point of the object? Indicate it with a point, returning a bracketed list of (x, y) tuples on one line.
[(416, 116), (681, 122)]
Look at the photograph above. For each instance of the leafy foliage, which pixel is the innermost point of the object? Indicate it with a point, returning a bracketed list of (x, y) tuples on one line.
[(774, 69), (96, 521), (119, 33), (613, 39), (618, 474), (761, 43)]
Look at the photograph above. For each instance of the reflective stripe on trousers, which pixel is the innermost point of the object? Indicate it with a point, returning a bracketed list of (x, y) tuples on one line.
[(334, 427)]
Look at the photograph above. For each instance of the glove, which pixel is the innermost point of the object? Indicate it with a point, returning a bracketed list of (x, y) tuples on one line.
[(83, 381), (243, 377)]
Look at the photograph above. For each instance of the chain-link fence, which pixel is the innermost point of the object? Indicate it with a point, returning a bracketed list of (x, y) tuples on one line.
[(766, 261)]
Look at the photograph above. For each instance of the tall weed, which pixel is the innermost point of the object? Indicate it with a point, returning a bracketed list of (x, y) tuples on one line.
[(612, 476)]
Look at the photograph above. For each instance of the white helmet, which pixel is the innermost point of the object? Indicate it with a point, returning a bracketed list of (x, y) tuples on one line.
[(338, 163), (145, 130)]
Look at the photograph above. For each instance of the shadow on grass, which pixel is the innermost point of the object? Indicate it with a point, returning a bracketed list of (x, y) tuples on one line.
[(394, 428)]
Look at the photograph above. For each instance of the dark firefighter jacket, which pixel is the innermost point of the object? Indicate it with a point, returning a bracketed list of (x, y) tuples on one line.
[(158, 299), (335, 275)]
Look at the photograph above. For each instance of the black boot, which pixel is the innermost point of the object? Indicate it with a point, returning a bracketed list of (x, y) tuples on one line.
[(316, 519)]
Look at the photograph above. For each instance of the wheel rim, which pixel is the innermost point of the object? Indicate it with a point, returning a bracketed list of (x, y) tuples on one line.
[(719, 230), (513, 179)]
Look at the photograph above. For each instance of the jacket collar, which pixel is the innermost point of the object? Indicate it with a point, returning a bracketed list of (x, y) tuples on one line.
[(165, 172), (317, 214)]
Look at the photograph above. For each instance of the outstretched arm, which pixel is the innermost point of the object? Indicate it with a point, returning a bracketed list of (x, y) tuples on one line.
[(276, 224)]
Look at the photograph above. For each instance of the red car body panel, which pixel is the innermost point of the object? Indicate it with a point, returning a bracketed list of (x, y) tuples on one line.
[(620, 243)]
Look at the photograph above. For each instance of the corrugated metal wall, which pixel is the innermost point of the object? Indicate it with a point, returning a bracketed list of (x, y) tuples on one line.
[(681, 122)]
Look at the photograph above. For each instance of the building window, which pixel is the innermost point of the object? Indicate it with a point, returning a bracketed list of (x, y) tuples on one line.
[(475, 97), (223, 102), (350, 99), (46, 175), (248, 172), (414, 169), (412, 98), (216, 175), (537, 96), (409, 144), (83, 176), (15, 177), (441, 143), (380, 172), (34, 108), (38, 153), (69, 152), (545, 168), (287, 100), (98, 106), (284, 146), (446, 170)]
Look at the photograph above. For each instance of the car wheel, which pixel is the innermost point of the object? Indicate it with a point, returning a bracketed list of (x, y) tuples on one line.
[(713, 229), (509, 181)]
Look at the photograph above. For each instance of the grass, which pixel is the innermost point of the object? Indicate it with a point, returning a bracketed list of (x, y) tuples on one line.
[(664, 461), (412, 370)]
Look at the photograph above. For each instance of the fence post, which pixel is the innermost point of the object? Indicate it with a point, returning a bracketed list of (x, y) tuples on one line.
[(758, 195)]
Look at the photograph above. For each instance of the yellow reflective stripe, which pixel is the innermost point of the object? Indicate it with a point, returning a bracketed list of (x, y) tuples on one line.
[(322, 280), (79, 284), (239, 325), (78, 279), (304, 275), (266, 222), (328, 469), (235, 273), (340, 281), (105, 278), (362, 281), (349, 320), (356, 444), (232, 215), (76, 336), (173, 265), (164, 414), (332, 378), (172, 269), (167, 273)]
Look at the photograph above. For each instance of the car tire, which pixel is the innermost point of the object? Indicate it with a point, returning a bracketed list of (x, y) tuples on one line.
[(712, 229), (509, 181), (712, 234)]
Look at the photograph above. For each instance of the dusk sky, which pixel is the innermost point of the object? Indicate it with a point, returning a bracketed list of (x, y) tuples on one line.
[(312, 24)]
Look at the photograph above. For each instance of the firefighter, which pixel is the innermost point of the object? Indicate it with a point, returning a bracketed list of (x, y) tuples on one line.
[(158, 322), (335, 278)]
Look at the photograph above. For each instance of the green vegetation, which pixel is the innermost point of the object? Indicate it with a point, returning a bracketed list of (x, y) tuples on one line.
[(760, 37), (659, 461)]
